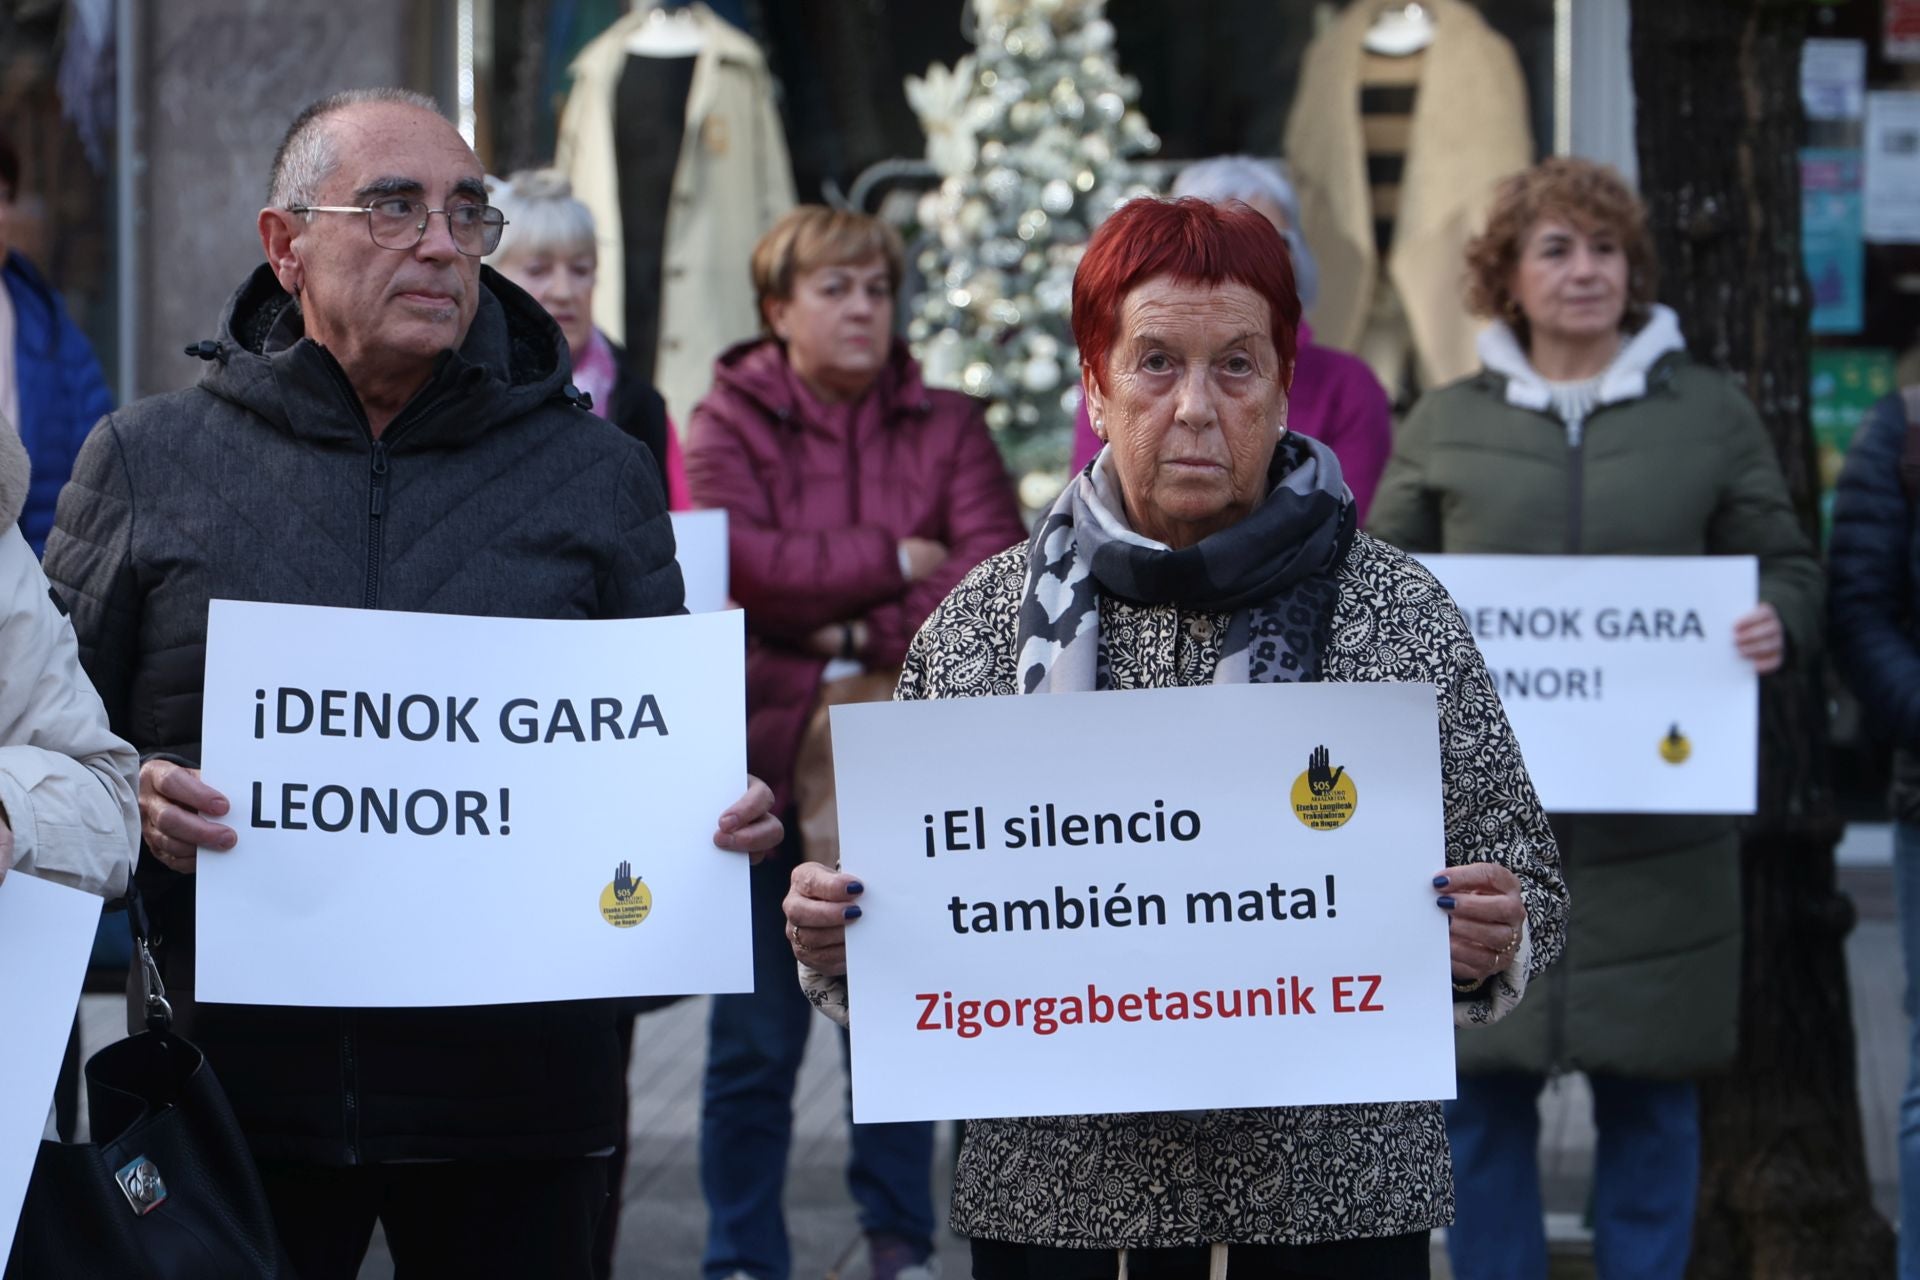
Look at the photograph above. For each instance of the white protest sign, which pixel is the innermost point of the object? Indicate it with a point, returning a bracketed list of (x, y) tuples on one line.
[(700, 541), (444, 810), (1620, 676), (46, 934), (1145, 901), (1891, 196)]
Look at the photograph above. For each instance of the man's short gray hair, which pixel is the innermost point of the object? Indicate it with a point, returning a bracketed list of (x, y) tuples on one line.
[(307, 154), (1244, 178)]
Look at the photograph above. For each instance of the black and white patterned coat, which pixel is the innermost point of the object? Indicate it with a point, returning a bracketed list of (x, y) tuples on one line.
[(1293, 1175)]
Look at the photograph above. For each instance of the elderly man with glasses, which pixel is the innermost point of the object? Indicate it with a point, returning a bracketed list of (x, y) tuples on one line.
[(384, 424)]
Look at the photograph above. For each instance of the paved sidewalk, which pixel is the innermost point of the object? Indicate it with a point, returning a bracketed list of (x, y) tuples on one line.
[(663, 1220)]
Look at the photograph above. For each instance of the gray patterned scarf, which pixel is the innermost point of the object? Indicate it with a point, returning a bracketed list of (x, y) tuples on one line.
[(1274, 571)]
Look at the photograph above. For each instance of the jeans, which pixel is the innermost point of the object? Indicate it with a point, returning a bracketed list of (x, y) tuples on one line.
[(1906, 871), (1646, 1176), (755, 1043)]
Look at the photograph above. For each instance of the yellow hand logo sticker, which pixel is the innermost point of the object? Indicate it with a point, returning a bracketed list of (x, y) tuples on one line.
[(627, 901), (1676, 747), (1324, 797)]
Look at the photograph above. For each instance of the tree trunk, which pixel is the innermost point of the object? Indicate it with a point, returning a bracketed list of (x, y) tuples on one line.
[(1784, 1189)]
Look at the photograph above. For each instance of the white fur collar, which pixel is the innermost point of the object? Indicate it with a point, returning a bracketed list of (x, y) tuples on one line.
[(1624, 379), (13, 474)]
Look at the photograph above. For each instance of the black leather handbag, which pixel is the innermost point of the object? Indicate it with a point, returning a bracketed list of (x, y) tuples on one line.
[(166, 1190)]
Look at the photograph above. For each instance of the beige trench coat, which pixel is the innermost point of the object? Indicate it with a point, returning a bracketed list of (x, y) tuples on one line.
[(1470, 129), (732, 180), (66, 780)]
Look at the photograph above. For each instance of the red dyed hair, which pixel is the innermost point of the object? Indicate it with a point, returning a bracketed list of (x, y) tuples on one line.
[(1191, 240)]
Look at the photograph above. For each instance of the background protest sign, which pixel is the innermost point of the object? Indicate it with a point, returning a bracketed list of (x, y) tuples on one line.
[(1147, 901), (441, 810), (46, 933), (700, 545), (1620, 676)]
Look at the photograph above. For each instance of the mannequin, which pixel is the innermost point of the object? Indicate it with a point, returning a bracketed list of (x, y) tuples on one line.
[(671, 138), (1396, 46), (1401, 31), (1405, 118), (1389, 88), (649, 117), (670, 31)]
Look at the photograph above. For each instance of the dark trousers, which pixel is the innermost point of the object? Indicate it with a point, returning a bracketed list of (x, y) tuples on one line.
[(1379, 1258), (470, 1218)]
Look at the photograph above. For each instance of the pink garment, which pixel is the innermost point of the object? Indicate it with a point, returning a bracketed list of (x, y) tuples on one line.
[(595, 371), (1336, 400), (818, 498), (598, 373), (679, 496)]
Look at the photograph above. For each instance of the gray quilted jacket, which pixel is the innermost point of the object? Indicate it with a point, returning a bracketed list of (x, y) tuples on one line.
[(494, 494)]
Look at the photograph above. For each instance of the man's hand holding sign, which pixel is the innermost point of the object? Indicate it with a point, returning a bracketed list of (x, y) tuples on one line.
[(177, 812)]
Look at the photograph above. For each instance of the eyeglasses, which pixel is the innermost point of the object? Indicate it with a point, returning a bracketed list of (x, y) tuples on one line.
[(402, 224)]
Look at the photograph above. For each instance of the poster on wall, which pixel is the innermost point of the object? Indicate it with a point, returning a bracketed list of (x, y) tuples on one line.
[(1902, 30), (1892, 181), (1831, 240), (1833, 79), (1846, 382)]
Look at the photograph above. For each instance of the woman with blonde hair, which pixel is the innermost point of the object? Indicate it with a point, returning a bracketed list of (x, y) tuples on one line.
[(549, 249)]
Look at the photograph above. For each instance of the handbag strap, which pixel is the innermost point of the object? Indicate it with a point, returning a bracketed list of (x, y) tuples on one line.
[(153, 992)]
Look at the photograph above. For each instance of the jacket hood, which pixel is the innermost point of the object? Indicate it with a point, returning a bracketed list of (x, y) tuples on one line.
[(1624, 379), (15, 470), (513, 359), (758, 370)]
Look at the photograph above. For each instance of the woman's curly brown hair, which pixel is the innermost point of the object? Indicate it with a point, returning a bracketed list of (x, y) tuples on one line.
[(1594, 198)]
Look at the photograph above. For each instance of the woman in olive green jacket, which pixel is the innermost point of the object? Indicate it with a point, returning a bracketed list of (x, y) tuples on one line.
[(1589, 431)]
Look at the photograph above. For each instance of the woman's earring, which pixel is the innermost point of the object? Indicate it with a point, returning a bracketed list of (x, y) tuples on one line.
[(1100, 428)]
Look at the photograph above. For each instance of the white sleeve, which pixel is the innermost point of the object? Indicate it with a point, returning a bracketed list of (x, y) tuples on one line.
[(66, 780)]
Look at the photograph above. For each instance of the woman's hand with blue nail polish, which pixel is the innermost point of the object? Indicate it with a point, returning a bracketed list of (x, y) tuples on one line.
[(1486, 918), (819, 906)]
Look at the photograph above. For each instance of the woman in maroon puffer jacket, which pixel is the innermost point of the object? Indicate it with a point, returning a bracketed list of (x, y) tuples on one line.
[(856, 499)]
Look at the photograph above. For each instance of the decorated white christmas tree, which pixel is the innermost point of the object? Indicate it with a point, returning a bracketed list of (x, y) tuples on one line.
[(1032, 134)]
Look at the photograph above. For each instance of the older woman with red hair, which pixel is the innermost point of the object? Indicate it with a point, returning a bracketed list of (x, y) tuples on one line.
[(1210, 545)]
